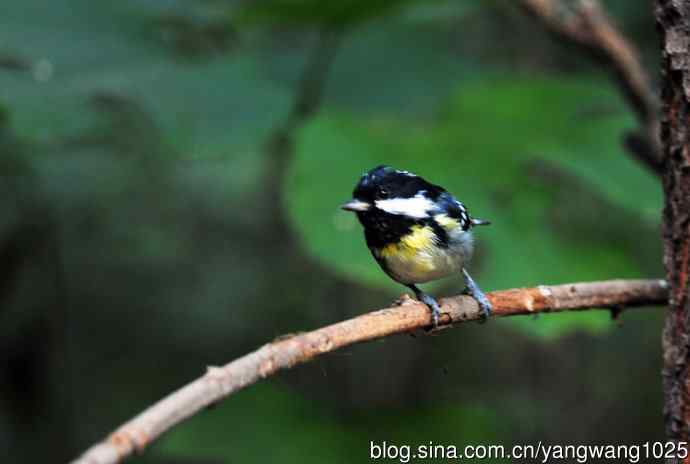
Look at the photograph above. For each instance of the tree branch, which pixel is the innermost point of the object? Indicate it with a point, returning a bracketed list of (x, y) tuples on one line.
[(407, 316), (589, 27)]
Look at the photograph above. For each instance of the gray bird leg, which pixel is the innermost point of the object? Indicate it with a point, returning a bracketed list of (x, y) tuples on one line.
[(429, 301), (473, 290)]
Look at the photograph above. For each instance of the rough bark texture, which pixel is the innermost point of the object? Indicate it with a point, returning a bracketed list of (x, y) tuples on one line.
[(673, 21), (407, 316)]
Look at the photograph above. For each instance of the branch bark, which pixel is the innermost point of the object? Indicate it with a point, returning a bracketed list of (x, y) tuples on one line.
[(589, 27), (408, 315), (673, 21)]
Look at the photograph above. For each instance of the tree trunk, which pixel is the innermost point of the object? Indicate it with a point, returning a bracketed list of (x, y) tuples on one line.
[(673, 21)]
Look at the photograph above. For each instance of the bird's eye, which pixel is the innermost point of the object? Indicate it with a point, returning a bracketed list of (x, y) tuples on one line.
[(382, 192)]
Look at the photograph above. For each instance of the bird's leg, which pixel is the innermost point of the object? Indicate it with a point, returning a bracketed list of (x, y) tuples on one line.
[(429, 301), (473, 290)]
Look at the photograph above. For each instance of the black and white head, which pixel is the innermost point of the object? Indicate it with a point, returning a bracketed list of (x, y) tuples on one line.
[(389, 201), (388, 191)]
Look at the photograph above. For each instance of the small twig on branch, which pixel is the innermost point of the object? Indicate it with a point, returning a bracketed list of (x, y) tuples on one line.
[(409, 315), (589, 27)]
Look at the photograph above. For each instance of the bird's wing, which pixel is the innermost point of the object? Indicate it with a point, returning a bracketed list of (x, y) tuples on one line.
[(454, 209)]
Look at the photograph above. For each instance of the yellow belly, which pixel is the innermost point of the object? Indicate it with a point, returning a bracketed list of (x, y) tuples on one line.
[(417, 258)]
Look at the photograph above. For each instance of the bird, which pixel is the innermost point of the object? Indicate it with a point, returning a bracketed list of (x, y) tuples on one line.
[(416, 231)]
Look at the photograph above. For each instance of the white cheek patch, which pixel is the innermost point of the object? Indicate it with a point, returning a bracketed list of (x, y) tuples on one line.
[(415, 207)]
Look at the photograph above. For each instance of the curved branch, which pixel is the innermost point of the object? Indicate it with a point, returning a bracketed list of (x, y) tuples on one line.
[(589, 27), (408, 315)]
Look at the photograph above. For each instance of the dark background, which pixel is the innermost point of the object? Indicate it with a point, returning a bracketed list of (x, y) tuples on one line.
[(165, 205)]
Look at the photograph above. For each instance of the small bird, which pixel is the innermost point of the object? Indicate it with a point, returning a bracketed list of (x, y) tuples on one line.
[(416, 231)]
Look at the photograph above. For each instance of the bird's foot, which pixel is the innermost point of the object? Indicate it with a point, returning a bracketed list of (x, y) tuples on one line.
[(430, 302), (484, 305), (433, 306), (473, 290)]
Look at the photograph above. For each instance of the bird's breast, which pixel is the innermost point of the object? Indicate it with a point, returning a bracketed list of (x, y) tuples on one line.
[(419, 257)]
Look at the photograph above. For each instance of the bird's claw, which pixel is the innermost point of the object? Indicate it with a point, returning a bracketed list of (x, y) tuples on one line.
[(484, 308), (484, 304), (473, 290), (435, 314), (433, 306), (429, 301)]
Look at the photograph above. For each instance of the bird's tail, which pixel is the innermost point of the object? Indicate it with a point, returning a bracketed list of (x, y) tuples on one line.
[(480, 222)]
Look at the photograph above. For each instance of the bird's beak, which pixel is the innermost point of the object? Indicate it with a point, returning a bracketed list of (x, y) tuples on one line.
[(356, 206)]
